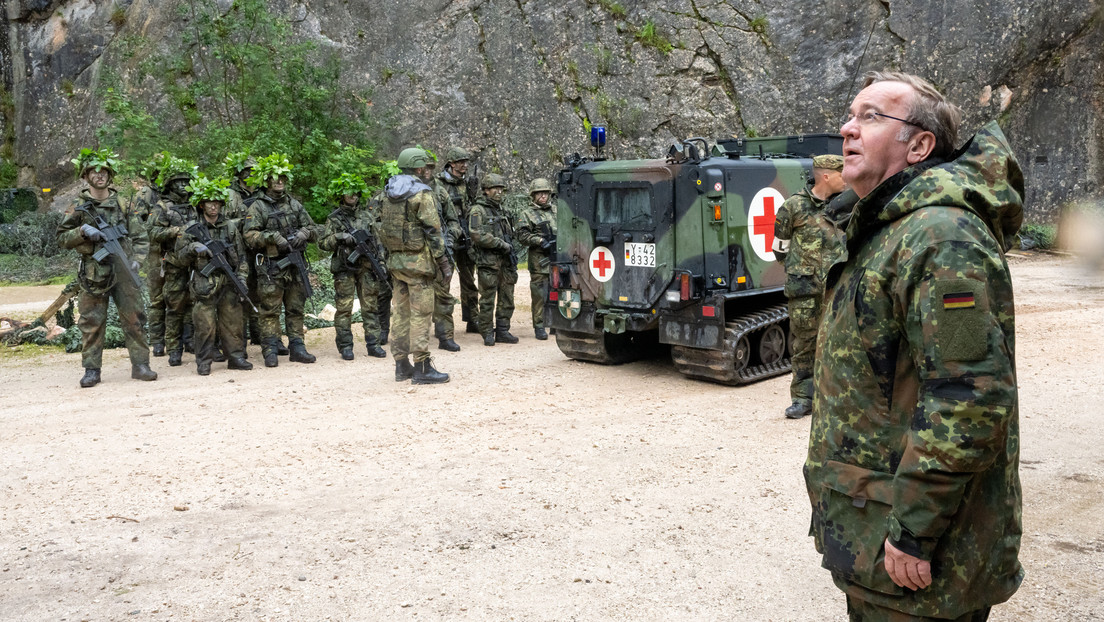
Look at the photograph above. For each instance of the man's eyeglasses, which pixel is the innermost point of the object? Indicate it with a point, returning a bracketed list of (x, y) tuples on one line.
[(870, 117)]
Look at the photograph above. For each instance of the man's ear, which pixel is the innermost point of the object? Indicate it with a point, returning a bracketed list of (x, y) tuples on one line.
[(921, 146)]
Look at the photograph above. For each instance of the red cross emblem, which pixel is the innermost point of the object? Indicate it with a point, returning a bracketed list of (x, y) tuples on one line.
[(601, 264), (764, 225), (760, 221)]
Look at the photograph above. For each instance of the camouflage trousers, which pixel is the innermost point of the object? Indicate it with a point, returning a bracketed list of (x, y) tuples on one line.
[(178, 306), (804, 321), (156, 283), (218, 320), (469, 290), (496, 297), (443, 304), (347, 286), (280, 290), (93, 323), (865, 611), (251, 317), (383, 306), (413, 316), (538, 290)]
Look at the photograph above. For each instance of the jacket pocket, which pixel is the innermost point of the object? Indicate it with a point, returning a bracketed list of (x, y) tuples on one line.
[(854, 527)]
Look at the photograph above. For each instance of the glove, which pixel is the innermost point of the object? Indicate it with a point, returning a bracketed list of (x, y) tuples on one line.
[(300, 239), (280, 242), (346, 239), (548, 245), (201, 249), (505, 246), (91, 233), (446, 268)]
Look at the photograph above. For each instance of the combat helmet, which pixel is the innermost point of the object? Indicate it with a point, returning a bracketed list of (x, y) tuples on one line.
[(96, 159), (173, 168), (493, 180), (273, 165), (238, 161), (413, 157), (346, 184), (540, 184), (202, 189), (456, 154)]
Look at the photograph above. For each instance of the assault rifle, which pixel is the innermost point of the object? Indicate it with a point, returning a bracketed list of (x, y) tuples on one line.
[(218, 261), (549, 237), (366, 247), (295, 258), (111, 247)]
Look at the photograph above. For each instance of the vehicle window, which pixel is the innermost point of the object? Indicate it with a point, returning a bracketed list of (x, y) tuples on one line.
[(624, 206)]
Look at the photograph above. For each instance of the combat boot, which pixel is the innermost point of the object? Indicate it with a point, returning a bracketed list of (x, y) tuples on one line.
[(488, 339), (346, 353), (281, 349), (448, 344), (176, 358), (141, 371), (798, 410), (239, 363), (503, 335), (376, 351), (425, 374), (271, 360), (299, 353), (218, 356), (91, 378), (384, 334), (403, 369), (472, 327), (159, 349), (541, 333), (203, 368)]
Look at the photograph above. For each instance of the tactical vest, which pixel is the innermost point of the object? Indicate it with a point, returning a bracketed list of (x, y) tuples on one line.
[(400, 230)]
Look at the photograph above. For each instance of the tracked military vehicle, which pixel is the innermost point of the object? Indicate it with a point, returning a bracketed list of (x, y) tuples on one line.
[(677, 251)]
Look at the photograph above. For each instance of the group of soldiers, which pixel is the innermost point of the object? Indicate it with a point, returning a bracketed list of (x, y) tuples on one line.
[(225, 257)]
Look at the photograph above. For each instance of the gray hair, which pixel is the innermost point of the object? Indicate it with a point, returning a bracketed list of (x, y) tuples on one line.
[(928, 111)]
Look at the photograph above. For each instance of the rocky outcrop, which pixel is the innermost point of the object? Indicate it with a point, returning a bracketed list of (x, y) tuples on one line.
[(516, 80)]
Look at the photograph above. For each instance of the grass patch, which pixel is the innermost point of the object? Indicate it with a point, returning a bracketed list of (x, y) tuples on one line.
[(650, 37), (24, 270), (615, 9)]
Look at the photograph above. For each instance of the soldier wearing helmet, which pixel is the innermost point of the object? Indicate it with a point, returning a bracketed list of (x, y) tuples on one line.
[(495, 260), (410, 230), (102, 282), (444, 302), (173, 214), (537, 230), (453, 179), (239, 166)]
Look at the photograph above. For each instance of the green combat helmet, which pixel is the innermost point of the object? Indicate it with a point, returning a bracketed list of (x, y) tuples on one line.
[(273, 165), (203, 189), (456, 154), (493, 180), (238, 161), (176, 168), (540, 184), (348, 183), (413, 157), (96, 159), (153, 168)]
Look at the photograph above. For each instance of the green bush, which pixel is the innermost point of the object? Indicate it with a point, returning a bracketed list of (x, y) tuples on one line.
[(1041, 236)]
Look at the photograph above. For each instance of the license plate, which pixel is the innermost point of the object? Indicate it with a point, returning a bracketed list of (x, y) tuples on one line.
[(640, 255)]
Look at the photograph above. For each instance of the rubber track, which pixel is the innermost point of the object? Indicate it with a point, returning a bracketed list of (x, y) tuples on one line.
[(720, 365), (584, 346)]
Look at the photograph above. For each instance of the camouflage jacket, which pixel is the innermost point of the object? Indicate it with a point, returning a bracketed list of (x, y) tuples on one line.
[(535, 224), (806, 242), (492, 234), (915, 432), (236, 207), (167, 224), (270, 220), (340, 221), (223, 229), (144, 201), (447, 211), (410, 228), (94, 276), (458, 193)]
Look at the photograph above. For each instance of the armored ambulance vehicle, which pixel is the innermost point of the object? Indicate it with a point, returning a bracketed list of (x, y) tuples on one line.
[(677, 251)]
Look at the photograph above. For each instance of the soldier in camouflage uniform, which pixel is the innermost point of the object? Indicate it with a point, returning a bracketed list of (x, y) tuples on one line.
[(444, 302), (275, 224), (104, 281), (537, 230), (240, 166), (411, 232), (807, 242), (453, 180), (353, 278), (493, 248), (217, 308), (142, 206), (172, 215), (913, 456)]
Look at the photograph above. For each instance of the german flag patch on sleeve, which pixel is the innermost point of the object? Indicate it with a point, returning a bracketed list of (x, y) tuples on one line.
[(959, 320), (958, 300)]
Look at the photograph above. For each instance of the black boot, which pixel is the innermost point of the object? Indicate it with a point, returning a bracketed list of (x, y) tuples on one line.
[(91, 378), (375, 351), (425, 374), (472, 327), (299, 353), (384, 334), (488, 339), (403, 369), (541, 333), (218, 356), (203, 368), (271, 360), (281, 349), (159, 349), (176, 358), (141, 371), (465, 313), (503, 335), (239, 363), (448, 344), (346, 353), (798, 410)]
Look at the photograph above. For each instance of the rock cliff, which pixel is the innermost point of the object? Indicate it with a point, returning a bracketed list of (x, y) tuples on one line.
[(514, 80)]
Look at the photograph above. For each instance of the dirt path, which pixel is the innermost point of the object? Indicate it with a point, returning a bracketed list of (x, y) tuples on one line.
[(531, 487)]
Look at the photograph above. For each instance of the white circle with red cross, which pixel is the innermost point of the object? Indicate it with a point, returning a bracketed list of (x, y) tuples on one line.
[(601, 264), (760, 220)]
